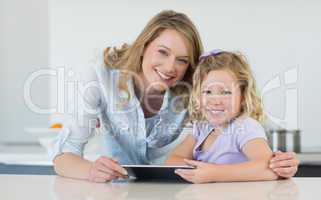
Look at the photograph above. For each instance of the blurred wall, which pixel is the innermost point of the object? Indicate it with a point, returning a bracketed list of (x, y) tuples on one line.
[(281, 39), (24, 48)]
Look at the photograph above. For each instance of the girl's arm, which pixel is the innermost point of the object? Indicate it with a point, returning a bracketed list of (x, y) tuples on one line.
[(256, 169), (181, 152)]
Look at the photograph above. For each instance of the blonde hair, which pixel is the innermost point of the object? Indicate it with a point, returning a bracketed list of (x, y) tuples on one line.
[(237, 64), (129, 57)]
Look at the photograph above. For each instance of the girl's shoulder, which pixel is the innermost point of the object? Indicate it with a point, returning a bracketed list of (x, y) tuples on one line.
[(248, 123), (201, 128), (247, 128)]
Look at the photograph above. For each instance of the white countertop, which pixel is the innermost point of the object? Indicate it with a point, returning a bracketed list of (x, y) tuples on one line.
[(37, 155), (58, 188), (32, 154)]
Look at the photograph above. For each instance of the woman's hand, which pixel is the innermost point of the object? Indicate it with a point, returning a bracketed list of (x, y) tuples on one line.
[(106, 169), (284, 164), (198, 175)]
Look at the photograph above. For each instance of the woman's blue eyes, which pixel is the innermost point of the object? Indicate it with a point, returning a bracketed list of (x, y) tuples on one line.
[(164, 53), (206, 92), (183, 61)]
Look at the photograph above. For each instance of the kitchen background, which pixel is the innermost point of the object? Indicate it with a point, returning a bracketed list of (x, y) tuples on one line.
[(44, 44)]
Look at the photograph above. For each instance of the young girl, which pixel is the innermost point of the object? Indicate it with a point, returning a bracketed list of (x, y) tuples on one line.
[(228, 142)]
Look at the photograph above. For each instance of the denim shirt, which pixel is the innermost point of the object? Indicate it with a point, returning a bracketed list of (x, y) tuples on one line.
[(127, 135)]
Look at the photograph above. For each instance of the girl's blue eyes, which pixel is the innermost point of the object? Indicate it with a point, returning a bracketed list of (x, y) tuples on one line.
[(227, 92), (209, 92)]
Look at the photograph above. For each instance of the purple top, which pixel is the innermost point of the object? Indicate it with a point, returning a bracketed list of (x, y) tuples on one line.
[(227, 147)]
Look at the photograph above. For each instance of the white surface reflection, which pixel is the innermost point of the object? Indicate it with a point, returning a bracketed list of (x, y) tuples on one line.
[(283, 189), (66, 189)]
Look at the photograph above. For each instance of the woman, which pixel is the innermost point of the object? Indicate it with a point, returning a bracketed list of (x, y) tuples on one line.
[(141, 101)]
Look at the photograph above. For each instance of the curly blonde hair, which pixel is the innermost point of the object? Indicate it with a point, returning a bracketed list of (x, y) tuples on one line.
[(129, 57), (237, 64)]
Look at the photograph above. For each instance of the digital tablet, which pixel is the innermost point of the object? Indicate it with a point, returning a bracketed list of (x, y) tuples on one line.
[(155, 172)]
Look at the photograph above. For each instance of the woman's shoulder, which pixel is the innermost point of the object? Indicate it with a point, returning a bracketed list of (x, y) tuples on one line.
[(97, 80), (104, 71), (99, 75)]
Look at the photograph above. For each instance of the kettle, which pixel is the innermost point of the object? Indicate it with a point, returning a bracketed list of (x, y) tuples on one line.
[(284, 140)]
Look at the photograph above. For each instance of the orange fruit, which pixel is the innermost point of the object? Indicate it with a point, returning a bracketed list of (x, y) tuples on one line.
[(56, 125)]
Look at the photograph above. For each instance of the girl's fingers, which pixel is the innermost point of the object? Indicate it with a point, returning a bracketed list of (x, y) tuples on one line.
[(192, 162), (185, 177), (186, 172)]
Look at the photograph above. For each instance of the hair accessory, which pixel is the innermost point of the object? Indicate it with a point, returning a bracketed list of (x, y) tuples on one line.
[(210, 53)]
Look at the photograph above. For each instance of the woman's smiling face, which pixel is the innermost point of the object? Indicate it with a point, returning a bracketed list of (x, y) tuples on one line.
[(220, 97), (165, 61)]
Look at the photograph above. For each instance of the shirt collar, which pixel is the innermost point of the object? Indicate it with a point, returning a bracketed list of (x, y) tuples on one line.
[(166, 99)]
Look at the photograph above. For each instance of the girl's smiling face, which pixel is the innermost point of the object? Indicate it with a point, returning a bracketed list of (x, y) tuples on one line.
[(220, 97)]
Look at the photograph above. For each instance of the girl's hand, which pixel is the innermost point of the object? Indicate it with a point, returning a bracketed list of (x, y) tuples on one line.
[(198, 175), (284, 164), (106, 169)]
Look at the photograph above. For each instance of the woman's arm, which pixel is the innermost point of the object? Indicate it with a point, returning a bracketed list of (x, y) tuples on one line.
[(256, 169), (102, 170), (181, 152), (69, 146), (72, 165), (76, 131)]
